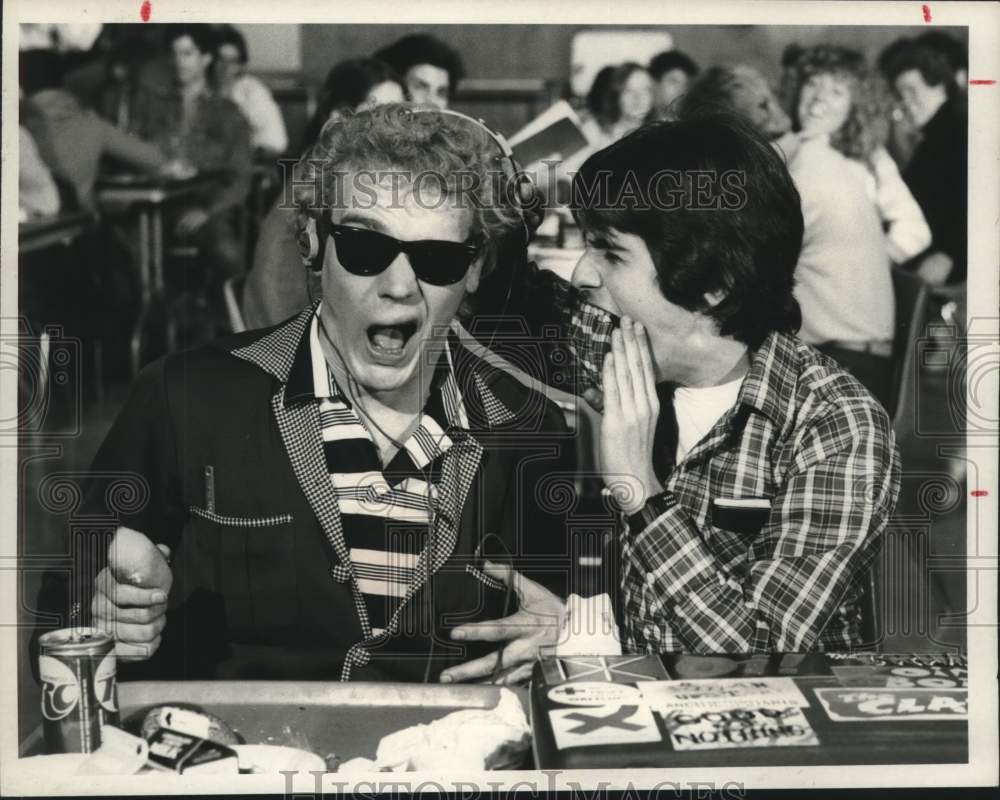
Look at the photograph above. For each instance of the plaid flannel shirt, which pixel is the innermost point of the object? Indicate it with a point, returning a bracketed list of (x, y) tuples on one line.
[(806, 436)]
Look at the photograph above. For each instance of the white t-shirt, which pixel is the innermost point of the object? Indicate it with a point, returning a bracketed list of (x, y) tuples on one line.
[(698, 409)]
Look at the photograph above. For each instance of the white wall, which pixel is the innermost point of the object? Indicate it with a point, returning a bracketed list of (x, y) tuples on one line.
[(275, 48)]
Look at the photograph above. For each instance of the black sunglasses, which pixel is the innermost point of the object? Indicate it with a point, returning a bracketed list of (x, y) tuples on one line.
[(366, 252)]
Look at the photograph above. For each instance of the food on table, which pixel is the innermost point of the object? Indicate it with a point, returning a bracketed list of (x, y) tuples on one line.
[(268, 758), (358, 764), (477, 739), (133, 558), (196, 723)]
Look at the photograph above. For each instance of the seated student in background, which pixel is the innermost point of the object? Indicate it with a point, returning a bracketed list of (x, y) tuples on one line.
[(274, 291), (743, 91), (194, 124), (430, 69), (755, 475), (851, 192), (72, 140), (619, 101), (328, 487), (672, 72), (37, 195), (924, 79), (267, 126)]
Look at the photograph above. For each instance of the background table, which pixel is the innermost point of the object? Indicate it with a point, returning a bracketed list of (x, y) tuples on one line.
[(146, 198), (59, 229)]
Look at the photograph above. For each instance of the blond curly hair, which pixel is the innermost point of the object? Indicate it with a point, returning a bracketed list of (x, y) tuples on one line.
[(867, 126)]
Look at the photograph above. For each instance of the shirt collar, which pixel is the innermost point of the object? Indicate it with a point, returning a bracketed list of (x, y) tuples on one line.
[(769, 386), (285, 352), (311, 379)]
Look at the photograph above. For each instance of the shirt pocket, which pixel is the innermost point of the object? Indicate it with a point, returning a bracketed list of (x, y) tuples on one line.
[(253, 566)]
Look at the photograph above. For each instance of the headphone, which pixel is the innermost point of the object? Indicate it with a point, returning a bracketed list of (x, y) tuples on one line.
[(526, 198)]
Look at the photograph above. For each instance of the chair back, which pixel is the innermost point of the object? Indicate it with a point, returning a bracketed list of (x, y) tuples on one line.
[(911, 318)]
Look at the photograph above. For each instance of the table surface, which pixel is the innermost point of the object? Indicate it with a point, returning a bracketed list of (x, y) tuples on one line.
[(867, 741), (51, 229), (346, 719), (130, 188)]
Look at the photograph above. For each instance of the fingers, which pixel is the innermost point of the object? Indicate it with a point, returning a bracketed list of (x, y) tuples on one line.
[(471, 670), (136, 634), (623, 379), (497, 630), (612, 403), (124, 594), (517, 675), (501, 572), (634, 366), (165, 550), (140, 616), (136, 652), (646, 360), (595, 399)]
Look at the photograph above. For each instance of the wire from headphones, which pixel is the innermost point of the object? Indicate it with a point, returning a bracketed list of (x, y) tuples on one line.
[(432, 502), (508, 591)]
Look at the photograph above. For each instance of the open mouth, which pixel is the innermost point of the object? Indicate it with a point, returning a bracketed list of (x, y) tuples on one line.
[(391, 340)]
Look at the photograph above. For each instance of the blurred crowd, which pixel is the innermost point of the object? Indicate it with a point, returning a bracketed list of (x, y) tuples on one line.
[(878, 152)]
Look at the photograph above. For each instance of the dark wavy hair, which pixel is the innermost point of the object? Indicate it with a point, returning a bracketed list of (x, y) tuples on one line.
[(228, 34), (663, 62), (201, 34), (604, 97), (413, 141), (933, 58), (867, 125), (422, 48), (748, 253), (346, 87)]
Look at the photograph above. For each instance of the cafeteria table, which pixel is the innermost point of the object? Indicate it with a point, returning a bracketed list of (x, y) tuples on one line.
[(679, 710), (147, 197), (344, 720)]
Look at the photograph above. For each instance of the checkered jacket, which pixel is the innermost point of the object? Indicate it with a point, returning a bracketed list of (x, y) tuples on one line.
[(264, 584), (698, 577)]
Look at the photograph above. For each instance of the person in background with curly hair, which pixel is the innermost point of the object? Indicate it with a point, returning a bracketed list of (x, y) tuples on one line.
[(859, 215)]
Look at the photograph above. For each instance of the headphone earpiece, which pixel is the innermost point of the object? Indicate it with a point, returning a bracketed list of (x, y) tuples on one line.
[(311, 247)]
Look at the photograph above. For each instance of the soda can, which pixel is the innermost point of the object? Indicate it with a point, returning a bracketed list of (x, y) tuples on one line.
[(79, 694)]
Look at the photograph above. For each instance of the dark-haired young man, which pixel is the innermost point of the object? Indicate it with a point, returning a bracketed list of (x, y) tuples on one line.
[(192, 123), (672, 71), (754, 474), (430, 69), (267, 126)]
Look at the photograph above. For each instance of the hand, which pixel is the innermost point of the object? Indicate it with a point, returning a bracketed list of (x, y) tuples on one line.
[(533, 630), (631, 408), (178, 169), (190, 222), (935, 268), (595, 399), (130, 598)]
